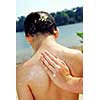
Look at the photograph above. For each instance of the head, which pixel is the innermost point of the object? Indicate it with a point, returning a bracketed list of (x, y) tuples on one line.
[(39, 23)]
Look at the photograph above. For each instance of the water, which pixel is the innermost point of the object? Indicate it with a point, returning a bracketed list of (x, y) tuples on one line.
[(67, 37)]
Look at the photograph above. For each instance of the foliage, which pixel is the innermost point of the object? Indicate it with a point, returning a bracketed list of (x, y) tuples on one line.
[(64, 17), (80, 34), (20, 24)]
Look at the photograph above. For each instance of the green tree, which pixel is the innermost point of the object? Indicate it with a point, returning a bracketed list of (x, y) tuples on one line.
[(64, 17), (20, 24), (80, 34), (79, 14)]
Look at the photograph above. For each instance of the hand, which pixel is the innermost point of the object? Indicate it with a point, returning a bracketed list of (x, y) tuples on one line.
[(57, 70)]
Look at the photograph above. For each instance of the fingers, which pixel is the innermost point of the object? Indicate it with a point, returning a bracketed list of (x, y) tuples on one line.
[(49, 60), (47, 66), (51, 56), (47, 70), (64, 71), (54, 64), (50, 71), (55, 60)]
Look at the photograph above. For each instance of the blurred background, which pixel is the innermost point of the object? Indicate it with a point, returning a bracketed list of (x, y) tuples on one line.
[(68, 15)]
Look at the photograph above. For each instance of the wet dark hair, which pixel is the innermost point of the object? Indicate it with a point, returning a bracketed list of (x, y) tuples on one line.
[(39, 22)]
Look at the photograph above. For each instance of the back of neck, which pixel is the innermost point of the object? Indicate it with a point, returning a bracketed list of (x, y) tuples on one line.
[(43, 42)]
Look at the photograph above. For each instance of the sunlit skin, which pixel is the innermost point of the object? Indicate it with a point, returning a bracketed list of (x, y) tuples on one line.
[(33, 82), (60, 74)]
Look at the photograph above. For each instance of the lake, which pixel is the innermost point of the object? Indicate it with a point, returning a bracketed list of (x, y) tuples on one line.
[(67, 37)]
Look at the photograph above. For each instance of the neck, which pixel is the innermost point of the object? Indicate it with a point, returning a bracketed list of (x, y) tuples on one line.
[(43, 42)]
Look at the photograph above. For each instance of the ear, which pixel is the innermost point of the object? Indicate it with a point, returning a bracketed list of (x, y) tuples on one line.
[(56, 33), (29, 38)]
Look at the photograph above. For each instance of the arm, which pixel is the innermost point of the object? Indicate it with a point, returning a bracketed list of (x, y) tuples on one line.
[(76, 79), (74, 84), (63, 79), (75, 63)]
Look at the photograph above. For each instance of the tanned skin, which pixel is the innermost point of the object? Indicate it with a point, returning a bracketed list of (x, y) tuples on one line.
[(33, 83)]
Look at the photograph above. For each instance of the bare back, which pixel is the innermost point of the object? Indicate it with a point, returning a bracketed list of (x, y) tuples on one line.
[(39, 84)]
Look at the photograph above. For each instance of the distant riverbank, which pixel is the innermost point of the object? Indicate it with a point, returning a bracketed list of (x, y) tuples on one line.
[(64, 17)]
